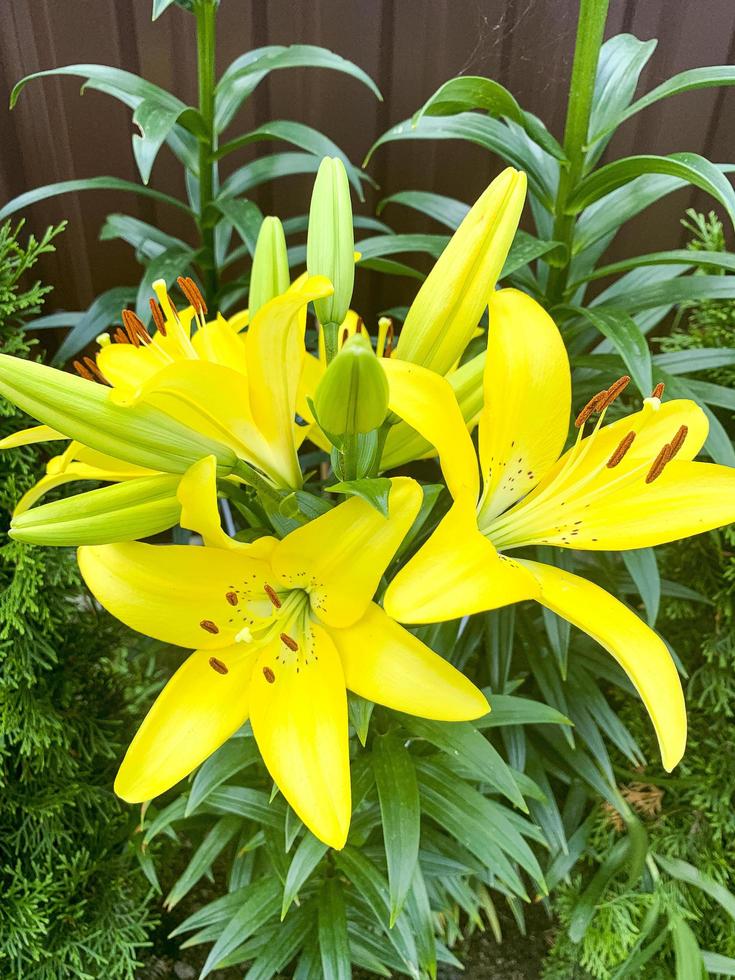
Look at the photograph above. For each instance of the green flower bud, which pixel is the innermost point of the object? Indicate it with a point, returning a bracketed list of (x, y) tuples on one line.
[(330, 247), (82, 410), (269, 277), (122, 512), (352, 396)]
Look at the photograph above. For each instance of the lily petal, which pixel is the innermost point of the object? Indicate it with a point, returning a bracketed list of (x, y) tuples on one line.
[(176, 593), (340, 557), (219, 343), (385, 663), (639, 651), (298, 710), (425, 401), (127, 367), (457, 572), (197, 711), (528, 396), (30, 436)]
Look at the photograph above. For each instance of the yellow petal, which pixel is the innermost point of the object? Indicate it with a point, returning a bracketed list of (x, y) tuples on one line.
[(127, 367), (274, 347), (311, 374), (176, 593), (404, 444), (451, 301), (28, 437), (456, 573), (385, 663), (197, 711), (340, 557), (219, 343), (239, 321), (197, 494), (425, 401), (686, 499), (525, 418), (298, 710), (639, 651)]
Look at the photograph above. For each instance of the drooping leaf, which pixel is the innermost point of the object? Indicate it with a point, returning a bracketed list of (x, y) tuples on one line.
[(624, 333), (232, 757), (374, 491), (643, 568), (334, 943), (203, 858), (305, 859), (244, 216), (102, 312)]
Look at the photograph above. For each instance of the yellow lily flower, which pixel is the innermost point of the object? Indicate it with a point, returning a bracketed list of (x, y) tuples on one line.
[(282, 629), (629, 484)]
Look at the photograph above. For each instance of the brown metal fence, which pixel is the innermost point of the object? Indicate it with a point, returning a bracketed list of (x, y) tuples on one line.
[(408, 46)]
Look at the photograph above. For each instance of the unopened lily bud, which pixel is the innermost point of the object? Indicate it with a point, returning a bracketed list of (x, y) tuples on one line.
[(352, 396), (330, 245), (123, 512), (452, 299), (82, 410), (269, 277)]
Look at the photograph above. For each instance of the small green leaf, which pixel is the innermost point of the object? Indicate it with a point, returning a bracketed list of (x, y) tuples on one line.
[(204, 857), (374, 491), (718, 964), (624, 333), (683, 871), (643, 568), (360, 711), (260, 902), (400, 809), (687, 954), (305, 859), (232, 757), (446, 210), (244, 216), (251, 803), (334, 943), (102, 312)]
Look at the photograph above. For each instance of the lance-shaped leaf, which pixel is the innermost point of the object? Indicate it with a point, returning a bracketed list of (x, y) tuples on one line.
[(82, 410), (123, 512), (474, 92)]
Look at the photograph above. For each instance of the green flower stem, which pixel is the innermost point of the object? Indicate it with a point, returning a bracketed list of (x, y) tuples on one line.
[(253, 479), (205, 12), (590, 30), (331, 340)]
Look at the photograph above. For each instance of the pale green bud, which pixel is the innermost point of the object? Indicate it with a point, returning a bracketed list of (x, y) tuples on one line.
[(123, 512), (270, 276), (82, 410), (352, 396), (330, 247)]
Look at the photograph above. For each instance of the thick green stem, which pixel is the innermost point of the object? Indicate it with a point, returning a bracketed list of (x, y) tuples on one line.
[(590, 30), (206, 14)]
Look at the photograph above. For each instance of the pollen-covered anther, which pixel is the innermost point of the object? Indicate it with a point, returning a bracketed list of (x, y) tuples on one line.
[(359, 325), (345, 335), (615, 389), (271, 593), (622, 449), (217, 665), (135, 328), (289, 642), (82, 371), (678, 441), (659, 464), (209, 627), (120, 337), (158, 317), (590, 408), (269, 675), (388, 348), (658, 391), (231, 598), (193, 294)]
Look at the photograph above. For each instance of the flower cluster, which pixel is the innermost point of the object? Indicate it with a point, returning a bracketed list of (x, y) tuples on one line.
[(192, 417)]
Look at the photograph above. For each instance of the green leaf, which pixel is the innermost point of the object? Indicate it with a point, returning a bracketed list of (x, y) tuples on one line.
[(244, 216), (643, 568), (266, 169), (251, 803), (373, 888), (469, 92), (400, 809), (507, 709), (389, 267), (374, 491), (625, 335), (25, 200), (244, 74), (381, 245), (675, 256), (586, 906), (360, 712), (687, 955), (103, 311), (155, 120), (334, 943), (53, 320), (168, 266), (260, 902), (691, 167), (232, 757), (158, 8), (147, 240), (681, 289), (305, 859), (163, 820), (485, 132), (621, 60), (204, 857), (708, 76), (462, 740), (446, 210), (302, 136), (418, 909), (704, 391), (683, 871), (718, 964), (526, 248), (697, 359)]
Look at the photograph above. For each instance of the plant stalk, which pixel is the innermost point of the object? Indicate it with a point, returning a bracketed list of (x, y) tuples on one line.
[(206, 15), (590, 30)]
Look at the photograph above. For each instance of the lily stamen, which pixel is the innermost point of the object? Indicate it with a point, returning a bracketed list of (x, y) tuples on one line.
[(590, 408), (269, 675), (614, 390), (659, 464), (271, 593), (82, 371), (135, 328), (209, 627), (217, 665), (658, 391), (193, 294), (678, 441), (120, 337), (622, 449), (158, 317), (289, 642)]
